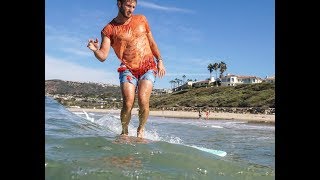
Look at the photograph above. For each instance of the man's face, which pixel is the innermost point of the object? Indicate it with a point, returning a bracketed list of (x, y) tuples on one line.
[(127, 8)]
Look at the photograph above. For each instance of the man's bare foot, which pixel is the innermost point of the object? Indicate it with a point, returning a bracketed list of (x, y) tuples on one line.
[(124, 134), (140, 133), (124, 131), (122, 139)]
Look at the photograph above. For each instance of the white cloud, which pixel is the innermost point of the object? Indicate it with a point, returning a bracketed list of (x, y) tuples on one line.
[(163, 8), (187, 74), (63, 41), (79, 52), (58, 69)]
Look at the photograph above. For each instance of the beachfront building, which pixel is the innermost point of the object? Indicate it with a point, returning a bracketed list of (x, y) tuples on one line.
[(271, 79), (161, 91), (196, 84), (204, 83), (233, 80), (186, 85), (228, 80)]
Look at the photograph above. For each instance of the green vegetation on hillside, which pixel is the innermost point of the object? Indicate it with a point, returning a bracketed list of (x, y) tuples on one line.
[(91, 95), (246, 95), (93, 90)]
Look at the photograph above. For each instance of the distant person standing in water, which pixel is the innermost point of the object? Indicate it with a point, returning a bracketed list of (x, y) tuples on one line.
[(132, 41), (200, 114), (207, 114)]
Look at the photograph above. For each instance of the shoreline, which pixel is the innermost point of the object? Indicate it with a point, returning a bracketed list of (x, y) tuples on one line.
[(250, 118)]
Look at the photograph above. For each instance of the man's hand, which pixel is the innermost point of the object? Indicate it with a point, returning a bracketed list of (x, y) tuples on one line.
[(161, 69), (93, 45)]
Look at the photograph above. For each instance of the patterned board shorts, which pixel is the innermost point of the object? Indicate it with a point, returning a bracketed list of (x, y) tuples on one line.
[(127, 76)]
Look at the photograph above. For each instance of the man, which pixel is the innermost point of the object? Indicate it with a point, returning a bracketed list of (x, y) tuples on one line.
[(207, 114), (130, 37)]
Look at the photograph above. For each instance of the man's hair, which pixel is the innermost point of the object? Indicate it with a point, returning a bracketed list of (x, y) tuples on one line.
[(122, 1)]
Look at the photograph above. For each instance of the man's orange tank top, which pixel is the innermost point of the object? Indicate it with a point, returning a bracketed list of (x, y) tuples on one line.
[(131, 44)]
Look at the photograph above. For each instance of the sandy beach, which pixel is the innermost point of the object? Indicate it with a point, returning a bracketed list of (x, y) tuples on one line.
[(255, 118)]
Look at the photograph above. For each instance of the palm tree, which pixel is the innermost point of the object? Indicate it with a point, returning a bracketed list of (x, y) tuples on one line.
[(177, 81), (216, 67), (184, 77), (172, 83), (223, 68), (210, 68)]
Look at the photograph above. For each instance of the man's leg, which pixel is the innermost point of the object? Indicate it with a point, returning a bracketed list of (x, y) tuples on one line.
[(128, 92), (144, 93)]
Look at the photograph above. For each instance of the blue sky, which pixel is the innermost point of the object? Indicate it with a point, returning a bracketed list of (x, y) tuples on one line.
[(190, 34)]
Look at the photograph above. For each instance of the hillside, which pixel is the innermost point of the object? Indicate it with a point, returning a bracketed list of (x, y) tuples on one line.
[(81, 89), (253, 95), (260, 95)]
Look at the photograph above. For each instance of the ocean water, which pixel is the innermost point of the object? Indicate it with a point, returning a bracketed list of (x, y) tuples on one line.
[(87, 146)]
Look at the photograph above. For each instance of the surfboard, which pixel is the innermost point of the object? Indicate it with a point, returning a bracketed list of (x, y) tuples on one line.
[(212, 151), (120, 139)]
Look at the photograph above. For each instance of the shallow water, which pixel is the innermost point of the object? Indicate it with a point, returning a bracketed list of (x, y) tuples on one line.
[(89, 147)]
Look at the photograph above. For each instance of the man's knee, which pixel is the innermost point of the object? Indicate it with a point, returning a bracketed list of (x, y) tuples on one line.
[(143, 102), (143, 109), (127, 106), (144, 98)]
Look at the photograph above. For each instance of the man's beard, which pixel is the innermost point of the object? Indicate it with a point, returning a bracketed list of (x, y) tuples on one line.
[(123, 12)]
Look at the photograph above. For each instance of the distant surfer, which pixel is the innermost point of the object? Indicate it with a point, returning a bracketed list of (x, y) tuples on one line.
[(140, 60)]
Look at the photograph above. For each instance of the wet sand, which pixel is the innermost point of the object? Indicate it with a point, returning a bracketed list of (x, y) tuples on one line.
[(254, 118)]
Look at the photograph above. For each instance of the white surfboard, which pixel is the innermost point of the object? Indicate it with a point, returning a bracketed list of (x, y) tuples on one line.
[(212, 151)]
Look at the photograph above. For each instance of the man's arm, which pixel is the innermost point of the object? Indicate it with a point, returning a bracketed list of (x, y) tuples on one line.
[(156, 53), (102, 53), (153, 46)]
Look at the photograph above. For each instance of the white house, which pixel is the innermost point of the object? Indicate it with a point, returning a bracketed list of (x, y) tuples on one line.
[(233, 80), (271, 79), (204, 82)]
